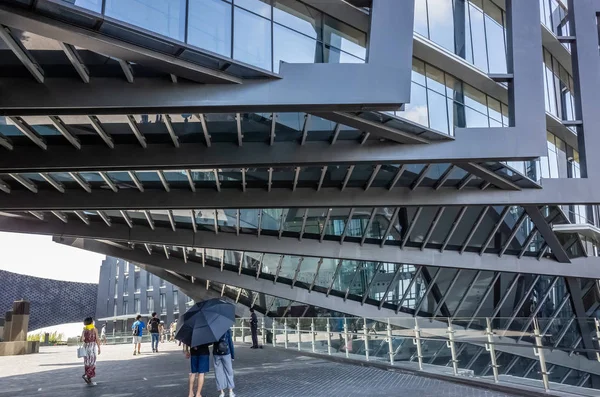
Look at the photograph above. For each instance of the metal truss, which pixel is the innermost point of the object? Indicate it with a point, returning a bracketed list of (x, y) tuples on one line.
[(337, 300), (173, 228)]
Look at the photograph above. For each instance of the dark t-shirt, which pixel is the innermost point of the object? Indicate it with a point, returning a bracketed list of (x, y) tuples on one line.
[(153, 325), (201, 350)]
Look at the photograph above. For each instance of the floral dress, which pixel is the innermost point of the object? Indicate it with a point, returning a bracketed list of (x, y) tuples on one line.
[(89, 344)]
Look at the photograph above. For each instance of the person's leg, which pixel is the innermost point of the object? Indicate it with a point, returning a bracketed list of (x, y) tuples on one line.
[(134, 344), (139, 346), (228, 372), (154, 342), (191, 392), (254, 336), (200, 385), (219, 374)]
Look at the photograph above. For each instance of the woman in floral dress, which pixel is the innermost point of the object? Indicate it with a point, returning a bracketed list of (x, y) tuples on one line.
[(90, 340)]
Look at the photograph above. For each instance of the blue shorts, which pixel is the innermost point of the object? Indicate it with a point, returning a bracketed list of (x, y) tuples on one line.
[(200, 364)]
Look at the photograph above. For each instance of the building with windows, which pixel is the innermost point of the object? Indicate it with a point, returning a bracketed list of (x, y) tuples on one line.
[(126, 290), (422, 163)]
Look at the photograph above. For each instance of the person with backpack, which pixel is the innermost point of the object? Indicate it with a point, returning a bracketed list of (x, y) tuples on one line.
[(137, 331), (223, 356), (199, 357), (154, 328)]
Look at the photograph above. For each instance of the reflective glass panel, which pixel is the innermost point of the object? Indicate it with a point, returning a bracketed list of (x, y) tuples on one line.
[(252, 39), (293, 47), (209, 25), (165, 17)]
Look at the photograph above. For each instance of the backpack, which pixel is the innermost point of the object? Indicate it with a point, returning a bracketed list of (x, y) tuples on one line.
[(222, 347), (154, 322), (136, 329)]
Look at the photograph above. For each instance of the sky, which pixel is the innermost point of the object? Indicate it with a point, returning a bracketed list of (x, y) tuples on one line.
[(41, 257)]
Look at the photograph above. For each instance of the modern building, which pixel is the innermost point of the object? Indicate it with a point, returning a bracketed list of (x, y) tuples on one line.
[(428, 161), (126, 290), (52, 302)]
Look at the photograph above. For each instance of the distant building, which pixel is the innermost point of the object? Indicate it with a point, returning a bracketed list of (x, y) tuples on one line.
[(126, 290)]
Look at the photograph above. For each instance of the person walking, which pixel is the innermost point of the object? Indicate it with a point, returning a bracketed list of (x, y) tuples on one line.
[(103, 334), (154, 328), (254, 329), (173, 330), (223, 356), (199, 357), (138, 331), (90, 340)]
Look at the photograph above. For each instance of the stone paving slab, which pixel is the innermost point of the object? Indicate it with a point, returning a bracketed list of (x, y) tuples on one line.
[(56, 372)]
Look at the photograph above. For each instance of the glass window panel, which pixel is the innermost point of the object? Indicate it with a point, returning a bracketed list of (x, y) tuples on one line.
[(93, 5), (454, 88), (344, 37), (416, 110), (45, 130), (494, 109), (438, 118), (292, 47), (165, 17), (270, 263), (495, 44), (260, 7), (421, 18), (435, 79), (475, 119), (478, 38), (333, 55), (297, 16), (441, 23), (475, 99), (209, 25), (418, 71), (252, 39), (326, 272)]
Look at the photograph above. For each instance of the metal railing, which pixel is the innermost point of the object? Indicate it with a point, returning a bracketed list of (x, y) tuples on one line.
[(499, 350)]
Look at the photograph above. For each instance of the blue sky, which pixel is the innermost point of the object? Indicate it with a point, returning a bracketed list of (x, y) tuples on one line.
[(39, 256)]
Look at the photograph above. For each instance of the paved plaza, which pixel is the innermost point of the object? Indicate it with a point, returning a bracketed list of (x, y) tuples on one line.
[(56, 372)]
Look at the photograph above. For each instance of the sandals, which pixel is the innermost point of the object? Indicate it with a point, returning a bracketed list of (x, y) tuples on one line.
[(86, 379)]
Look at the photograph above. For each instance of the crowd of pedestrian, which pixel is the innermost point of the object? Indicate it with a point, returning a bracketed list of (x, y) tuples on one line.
[(222, 351)]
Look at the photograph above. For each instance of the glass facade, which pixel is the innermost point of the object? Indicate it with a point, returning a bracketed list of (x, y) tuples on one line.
[(261, 33), (558, 89), (442, 102), (472, 29), (553, 14)]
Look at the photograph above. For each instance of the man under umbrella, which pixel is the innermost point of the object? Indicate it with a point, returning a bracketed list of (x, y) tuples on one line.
[(203, 324)]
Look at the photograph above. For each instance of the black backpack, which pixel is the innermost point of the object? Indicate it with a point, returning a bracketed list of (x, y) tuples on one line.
[(136, 330), (222, 347)]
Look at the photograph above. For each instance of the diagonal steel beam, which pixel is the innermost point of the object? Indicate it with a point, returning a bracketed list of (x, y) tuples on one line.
[(62, 128), (377, 129), (499, 223), (73, 56), (27, 130), (489, 176), (100, 130), (413, 223), (585, 267), (431, 229), (301, 295), (480, 218), (547, 233), (22, 53)]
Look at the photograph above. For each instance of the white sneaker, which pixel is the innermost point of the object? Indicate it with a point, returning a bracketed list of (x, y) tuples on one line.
[(231, 394), (222, 394)]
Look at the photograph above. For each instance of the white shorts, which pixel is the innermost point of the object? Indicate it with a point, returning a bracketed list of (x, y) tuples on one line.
[(137, 339)]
